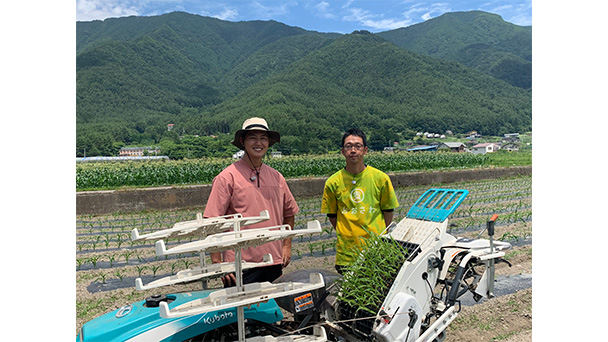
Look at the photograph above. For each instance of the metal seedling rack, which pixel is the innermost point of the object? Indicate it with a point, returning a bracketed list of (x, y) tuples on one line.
[(219, 234)]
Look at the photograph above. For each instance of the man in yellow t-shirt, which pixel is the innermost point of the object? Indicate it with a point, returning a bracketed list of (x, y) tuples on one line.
[(356, 198)]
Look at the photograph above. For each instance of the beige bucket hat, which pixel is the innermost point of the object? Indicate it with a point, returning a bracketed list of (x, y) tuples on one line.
[(253, 124)]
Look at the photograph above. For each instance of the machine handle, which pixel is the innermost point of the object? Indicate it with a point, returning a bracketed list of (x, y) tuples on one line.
[(491, 225)]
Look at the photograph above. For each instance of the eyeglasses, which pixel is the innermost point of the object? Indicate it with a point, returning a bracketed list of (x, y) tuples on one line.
[(357, 147)]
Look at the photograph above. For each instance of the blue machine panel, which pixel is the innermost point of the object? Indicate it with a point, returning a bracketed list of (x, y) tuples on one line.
[(138, 322), (437, 204)]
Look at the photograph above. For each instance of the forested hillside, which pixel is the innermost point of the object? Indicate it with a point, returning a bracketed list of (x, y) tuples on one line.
[(476, 39), (135, 75)]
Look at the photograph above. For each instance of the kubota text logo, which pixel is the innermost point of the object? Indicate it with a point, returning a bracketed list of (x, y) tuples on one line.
[(218, 317)]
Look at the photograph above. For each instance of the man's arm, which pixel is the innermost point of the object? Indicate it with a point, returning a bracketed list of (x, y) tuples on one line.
[(333, 219), (388, 217)]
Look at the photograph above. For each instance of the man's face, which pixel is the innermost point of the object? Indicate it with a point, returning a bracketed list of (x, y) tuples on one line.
[(256, 143), (353, 149)]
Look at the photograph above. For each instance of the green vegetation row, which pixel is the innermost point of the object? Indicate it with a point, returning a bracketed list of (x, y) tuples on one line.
[(97, 176)]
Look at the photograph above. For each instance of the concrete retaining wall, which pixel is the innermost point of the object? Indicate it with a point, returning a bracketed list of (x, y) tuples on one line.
[(167, 198)]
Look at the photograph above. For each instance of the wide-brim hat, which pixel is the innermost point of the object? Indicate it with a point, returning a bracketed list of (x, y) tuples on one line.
[(255, 124)]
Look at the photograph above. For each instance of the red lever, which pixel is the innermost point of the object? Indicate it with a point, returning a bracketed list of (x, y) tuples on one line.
[(494, 217)]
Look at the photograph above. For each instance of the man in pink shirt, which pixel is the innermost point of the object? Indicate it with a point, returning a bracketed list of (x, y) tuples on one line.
[(247, 187)]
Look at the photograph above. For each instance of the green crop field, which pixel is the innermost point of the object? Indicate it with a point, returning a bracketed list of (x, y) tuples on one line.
[(108, 262), (98, 176)]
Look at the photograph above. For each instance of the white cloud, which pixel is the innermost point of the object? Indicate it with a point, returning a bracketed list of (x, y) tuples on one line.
[(348, 3), (501, 8), (100, 9), (322, 10), (374, 21), (435, 10), (271, 12), (227, 14)]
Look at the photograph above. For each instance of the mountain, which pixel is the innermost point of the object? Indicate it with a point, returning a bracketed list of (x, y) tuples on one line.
[(165, 63), (480, 40), (361, 80), (135, 75)]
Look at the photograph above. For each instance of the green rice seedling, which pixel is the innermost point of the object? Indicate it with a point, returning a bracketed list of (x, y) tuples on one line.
[(80, 262), (367, 280)]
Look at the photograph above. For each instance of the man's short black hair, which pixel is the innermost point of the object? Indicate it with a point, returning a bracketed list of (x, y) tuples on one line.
[(356, 132)]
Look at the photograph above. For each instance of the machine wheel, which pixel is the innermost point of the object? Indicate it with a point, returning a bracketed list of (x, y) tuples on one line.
[(471, 276)]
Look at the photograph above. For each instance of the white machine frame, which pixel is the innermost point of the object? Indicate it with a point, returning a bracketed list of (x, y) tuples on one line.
[(411, 311)]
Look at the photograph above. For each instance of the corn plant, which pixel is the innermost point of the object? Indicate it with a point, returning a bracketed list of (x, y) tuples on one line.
[(119, 274), (107, 240), (127, 255), (140, 270), (94, 259), (119, 241), (173, 267), (105, 176), (102, 276), (311, 248), (112, 257), (187, 263), (155, 269)]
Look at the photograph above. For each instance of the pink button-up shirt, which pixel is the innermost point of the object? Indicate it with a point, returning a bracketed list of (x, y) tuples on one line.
[(234, 192)]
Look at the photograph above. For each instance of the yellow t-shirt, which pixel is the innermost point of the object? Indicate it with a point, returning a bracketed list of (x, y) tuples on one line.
[(358, 201)]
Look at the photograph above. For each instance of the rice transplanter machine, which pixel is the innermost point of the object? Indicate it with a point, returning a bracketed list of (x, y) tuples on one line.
[(303, 306)]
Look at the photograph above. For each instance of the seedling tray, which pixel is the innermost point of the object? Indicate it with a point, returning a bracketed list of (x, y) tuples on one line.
[(229, 298), (198, 273)]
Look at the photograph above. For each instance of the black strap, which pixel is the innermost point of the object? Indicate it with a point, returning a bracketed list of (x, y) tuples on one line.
[(256, 125)]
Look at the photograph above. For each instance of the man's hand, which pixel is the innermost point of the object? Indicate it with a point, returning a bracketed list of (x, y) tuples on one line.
[(290, 220), (286, 254), (229, 280)]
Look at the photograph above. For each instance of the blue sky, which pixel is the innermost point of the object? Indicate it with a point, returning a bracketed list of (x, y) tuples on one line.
[(342, 16)]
